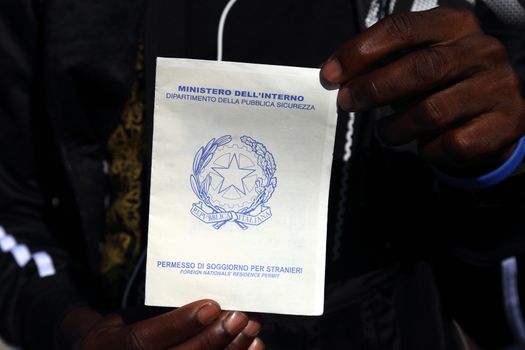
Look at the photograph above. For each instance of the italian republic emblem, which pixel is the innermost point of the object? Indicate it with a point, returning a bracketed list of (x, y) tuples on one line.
[(233, 182)]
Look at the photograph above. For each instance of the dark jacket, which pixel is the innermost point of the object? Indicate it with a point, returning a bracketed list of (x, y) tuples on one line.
[(406, 255)]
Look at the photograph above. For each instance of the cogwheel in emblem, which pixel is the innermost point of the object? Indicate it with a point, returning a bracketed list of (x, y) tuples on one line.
[(233, 181)]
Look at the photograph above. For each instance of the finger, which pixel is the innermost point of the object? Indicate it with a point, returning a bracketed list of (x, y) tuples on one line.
[(422, 71), (104, 335), (485, 135), (218, 335), (257, 344), (396, 33), (246, 337), (174, 327), (457, 104)]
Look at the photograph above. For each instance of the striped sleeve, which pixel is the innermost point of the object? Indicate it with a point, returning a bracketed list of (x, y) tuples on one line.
[(22, 255)]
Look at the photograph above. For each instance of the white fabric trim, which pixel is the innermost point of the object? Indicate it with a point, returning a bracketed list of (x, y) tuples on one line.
[(392, 5), (422, 5), (349, 137), (511, 297), (44, 264), (21, 254), (7, 243), (373, 14)]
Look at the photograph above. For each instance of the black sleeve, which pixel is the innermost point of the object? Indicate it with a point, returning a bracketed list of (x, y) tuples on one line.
[(479, 229), (35, 288)]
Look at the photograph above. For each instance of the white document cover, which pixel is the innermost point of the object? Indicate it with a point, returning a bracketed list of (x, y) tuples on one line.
[(239, 190)]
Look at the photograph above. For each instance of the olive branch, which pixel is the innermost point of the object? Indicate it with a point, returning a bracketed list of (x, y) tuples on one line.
[(267, 163), (201, 160)]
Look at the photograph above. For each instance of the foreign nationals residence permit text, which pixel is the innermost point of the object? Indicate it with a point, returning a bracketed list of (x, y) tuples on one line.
[(240, 176)]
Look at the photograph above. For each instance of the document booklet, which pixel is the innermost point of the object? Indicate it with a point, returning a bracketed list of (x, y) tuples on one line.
[(240, 176)]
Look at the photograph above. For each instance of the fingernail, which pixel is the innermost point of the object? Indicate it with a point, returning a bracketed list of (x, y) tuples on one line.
[(252, 329), (256, 344), (235, 322), (208, 313), (332, 70), (326, 84)]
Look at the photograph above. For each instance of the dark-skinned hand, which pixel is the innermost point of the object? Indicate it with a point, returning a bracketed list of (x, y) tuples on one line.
[(451, 86), (200, 325)]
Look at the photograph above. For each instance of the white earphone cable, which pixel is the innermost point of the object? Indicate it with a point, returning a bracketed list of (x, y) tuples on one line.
[(220, 32)]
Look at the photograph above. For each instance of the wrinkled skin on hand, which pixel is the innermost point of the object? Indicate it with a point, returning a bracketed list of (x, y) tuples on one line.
[(200, 325), (451, 86)]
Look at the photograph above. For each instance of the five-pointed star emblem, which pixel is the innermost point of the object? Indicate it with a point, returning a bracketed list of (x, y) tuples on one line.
[(233, 175)]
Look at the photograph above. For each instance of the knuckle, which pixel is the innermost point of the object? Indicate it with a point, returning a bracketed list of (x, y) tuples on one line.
[(498, 49), (430, 65), (133, 341), (206, 343), (401, 25), (515, 120), (513, 81), (499, 82), (431, 114), (494, 49), (464, 21), (457, 146), (509, 128), (505, 86), (467, 18), (364, 50)]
